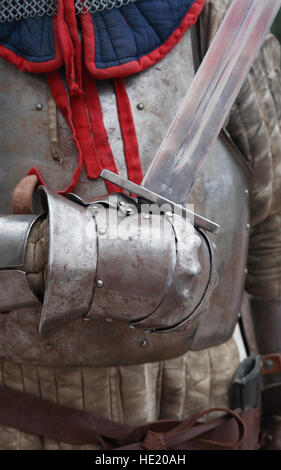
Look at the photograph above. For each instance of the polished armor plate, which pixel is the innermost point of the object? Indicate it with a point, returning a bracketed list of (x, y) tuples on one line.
[(14, 231)]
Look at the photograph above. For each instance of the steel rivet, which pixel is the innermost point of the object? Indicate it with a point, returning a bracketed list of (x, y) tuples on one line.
[(147, 216), (109, 320), (132, 327), (140, 106), (129, 210), (86, 318), (95, 210), (269, 437), (100, 283), (246, 271), (39, 106), (144, 342), (169, 214), (247, 191), (268, 364), (248, 226), (48, 347), (121, 203), (102, 231)]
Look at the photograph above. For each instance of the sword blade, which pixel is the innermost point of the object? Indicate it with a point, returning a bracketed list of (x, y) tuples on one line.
[(210, 98)]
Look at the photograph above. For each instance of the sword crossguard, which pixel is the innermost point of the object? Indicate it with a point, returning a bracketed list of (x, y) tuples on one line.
[(150, 196)]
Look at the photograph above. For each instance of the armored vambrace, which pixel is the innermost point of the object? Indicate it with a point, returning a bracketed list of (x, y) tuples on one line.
[(105, 260)]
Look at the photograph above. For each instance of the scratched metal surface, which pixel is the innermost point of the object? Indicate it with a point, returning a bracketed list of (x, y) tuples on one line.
[(219, 194)]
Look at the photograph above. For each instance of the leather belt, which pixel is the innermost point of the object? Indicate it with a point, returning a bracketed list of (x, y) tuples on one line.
[(271, 394), (41, 417)]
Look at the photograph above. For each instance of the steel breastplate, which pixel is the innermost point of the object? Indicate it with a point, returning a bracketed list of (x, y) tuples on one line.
[(220, 193)]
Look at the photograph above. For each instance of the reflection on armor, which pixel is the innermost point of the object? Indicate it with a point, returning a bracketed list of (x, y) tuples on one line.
[(149, 271)]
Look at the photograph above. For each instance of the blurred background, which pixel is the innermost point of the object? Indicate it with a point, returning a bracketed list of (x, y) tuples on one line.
[(276, 27)]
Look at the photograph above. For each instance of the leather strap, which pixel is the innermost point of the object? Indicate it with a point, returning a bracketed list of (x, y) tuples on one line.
[(53, 128), (271, 394), (271, 439), (41, 417), (271, 400), (22, 199)]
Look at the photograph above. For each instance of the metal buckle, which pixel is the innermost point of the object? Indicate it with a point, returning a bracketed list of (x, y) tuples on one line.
[(271, 363), (246, 385)]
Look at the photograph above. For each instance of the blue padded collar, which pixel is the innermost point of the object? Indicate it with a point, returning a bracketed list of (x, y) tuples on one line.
[(117, 42)]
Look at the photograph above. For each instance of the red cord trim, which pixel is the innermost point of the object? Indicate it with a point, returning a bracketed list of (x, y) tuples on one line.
[(100, 134), (70, 45), (127, 126), (85, 137), (78, 122)]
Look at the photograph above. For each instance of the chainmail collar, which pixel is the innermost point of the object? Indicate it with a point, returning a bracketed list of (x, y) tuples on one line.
[(16, 10)]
